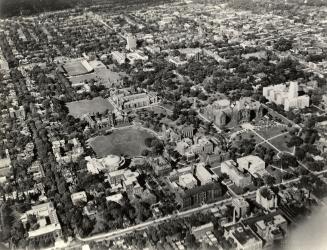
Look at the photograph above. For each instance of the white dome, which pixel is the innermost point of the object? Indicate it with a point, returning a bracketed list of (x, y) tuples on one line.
[(113, 162)]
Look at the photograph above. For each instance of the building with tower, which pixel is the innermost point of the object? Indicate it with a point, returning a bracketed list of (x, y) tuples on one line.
[(286, 96), (266, 198), (241, 206), (223, 112), (131, 42)]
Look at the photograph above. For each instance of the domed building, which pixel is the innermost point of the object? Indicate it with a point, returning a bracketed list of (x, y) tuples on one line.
[(109, 163), (113, 162)]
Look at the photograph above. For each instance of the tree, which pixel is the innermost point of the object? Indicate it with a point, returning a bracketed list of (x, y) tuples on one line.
[(87, 226), (288, 160), (269, 180), (299, 153), (295, 141), (148, 141)]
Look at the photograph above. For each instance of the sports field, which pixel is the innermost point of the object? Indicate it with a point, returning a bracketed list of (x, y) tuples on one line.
[(76, 67), (98, 104), (127, 141)]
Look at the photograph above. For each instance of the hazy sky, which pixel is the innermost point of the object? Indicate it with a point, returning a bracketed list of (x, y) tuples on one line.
[(310, 234)]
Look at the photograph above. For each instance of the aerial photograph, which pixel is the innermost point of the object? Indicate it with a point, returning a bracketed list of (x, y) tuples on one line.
[(163, 124)]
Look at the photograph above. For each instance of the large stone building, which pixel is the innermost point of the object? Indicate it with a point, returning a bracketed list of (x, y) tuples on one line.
[(130, 42), (244, 237), (288, 97), (125, 99), (223, 112), (67, 152), (198, 195), (160, 166), (109, 163), (47, 220), (266, 198), (237, 176)]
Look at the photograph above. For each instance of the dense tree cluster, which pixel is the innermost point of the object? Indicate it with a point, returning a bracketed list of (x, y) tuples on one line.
[(28, 7)]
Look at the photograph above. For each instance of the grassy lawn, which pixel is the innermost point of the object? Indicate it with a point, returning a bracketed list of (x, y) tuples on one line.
[(280, 142), (267, 146), (93, 106), (129, 141), (270, 131)]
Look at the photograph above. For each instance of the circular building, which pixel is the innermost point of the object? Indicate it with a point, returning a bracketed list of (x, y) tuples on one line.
[(113, 162)]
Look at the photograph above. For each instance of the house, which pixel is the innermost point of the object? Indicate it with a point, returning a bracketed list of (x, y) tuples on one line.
[(201, 231), (78, 198)]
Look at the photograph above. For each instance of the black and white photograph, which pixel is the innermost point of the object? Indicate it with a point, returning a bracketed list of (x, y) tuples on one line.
[(163, 124)]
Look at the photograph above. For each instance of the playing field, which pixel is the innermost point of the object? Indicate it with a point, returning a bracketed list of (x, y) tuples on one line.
[(76, 67), (127, 141), (103, 76), (98, 104)]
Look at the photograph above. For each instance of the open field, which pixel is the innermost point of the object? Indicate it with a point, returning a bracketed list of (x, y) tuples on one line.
[(98, 104), (280, 142), (267, 146), (127, 141), (270, 131), (101, 75)]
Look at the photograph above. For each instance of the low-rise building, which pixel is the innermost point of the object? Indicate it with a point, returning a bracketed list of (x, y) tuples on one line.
[(78, 198), (187, 181), (124, 99), (119, 57), (252, 164), (198, 195), (244, 237), (127, 179), (67, 152), (46, 219), (239, 178), (272, 229), (201, 231), (160, 166), (109, 163), (203, 175), (118, 198)]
